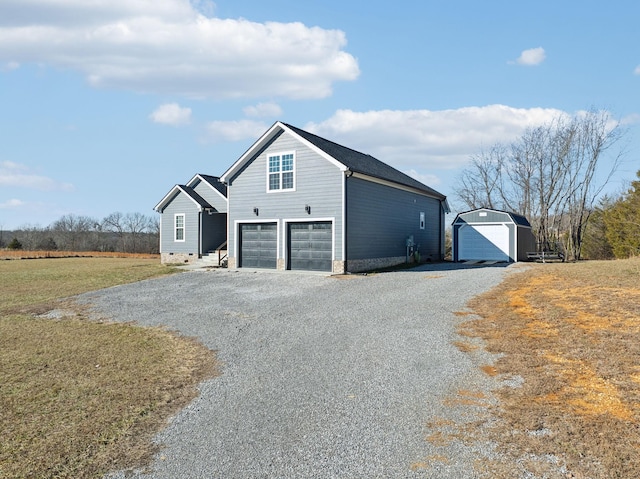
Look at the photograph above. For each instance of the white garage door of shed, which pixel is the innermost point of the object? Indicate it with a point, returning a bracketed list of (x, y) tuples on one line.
[(483, 242)]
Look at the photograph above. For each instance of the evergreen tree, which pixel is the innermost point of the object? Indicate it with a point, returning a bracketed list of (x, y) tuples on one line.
[(595, 244), (622, 223), (14, 244)]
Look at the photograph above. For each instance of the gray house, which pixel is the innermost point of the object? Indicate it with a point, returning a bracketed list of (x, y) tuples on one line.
[(193, 219), (491, 235), (298, 201)]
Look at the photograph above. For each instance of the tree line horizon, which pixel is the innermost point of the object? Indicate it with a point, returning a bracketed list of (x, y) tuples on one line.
[(116, 232)]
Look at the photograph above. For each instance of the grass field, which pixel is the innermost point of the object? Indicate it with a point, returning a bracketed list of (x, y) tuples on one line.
[(81, 397), (570, 334)]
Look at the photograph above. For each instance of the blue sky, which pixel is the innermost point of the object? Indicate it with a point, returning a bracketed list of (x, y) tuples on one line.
[(106, 104)]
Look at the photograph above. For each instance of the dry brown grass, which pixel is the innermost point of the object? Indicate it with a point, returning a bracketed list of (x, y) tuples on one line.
[(27, 254), (572, 332), (81, 397)]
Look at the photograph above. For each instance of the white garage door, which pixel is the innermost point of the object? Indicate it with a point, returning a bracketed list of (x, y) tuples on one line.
[(483, 242)]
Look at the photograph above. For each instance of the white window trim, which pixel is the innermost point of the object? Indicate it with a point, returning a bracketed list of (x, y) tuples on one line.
[(281, 154), (184, 228)]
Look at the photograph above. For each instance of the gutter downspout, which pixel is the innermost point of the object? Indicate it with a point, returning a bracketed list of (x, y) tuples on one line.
[(200, 234), (347, 175)]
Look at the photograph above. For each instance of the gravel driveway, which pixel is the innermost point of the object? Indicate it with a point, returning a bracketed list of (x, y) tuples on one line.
[(328, 377)]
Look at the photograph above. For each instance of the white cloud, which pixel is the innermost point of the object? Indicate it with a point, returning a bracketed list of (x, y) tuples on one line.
[(171, 114), (170, 47), (632, 119), (218, 131), (532, 57), (11, 204), (637, 70), (268, 109), (20, 176), (10, 66), (419, 140), (424, 178)]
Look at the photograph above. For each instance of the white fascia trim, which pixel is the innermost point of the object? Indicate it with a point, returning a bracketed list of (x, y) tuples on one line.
[(196, 177), (160, 206), (203, 180), (198, 205), (313, 147), (266, 137), (397, 186)]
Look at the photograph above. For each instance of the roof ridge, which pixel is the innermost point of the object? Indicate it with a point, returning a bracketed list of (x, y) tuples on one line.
[(330, 141), (364, 163)]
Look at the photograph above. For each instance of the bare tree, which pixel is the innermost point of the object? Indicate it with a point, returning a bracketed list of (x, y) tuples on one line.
[(596, 133), (480, 186), (114, 223), (549, 175), (135, 225), (71, 232)]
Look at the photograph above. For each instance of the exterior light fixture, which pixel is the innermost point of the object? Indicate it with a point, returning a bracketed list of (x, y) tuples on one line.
[(307, 208), (255, 210)]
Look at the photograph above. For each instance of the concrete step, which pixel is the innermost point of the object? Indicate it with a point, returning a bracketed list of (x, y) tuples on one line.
[(213, 257)]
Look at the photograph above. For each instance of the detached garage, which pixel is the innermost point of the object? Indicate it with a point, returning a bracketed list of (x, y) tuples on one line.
[(491, 235)]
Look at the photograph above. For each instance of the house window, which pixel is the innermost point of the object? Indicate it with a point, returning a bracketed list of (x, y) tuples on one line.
[(179, 227), (422, 220), (281, 169)]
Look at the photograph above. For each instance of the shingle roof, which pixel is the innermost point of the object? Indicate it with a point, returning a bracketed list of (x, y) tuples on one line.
[(519, 219), (195, 196), (362, 163), (215, 182)]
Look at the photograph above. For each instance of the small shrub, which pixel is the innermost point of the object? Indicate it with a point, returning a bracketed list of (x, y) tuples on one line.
[(14, 244)]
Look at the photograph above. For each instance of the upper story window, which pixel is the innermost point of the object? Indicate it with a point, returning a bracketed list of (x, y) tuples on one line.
[(179, 227), (281, 170)]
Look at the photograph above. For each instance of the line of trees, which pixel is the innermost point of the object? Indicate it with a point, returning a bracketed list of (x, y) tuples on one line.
[(613, 230), (552, 175), (117, 232)]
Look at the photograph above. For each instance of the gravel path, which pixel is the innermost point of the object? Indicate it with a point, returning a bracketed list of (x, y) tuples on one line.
[(328, 377)]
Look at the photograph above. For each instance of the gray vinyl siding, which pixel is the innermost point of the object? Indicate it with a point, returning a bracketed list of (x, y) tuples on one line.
[(212, 196), (318, 183), (180, 205), (380, 218)]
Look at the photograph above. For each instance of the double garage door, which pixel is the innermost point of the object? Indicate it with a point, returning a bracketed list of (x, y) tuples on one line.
[(483, 242), (309, 245)]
